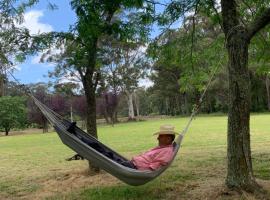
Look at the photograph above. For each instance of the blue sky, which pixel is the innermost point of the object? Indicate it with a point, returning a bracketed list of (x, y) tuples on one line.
[(41, 19)]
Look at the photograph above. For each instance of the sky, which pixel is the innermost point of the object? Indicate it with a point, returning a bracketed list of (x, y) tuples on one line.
[(41, 19)]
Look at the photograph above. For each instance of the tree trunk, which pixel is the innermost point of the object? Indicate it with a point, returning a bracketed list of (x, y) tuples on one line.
[(136, 100), (91, 124), (131, 115), (267, 85), (115, 118), (45, 126), (71, 113), (240, 173), (106, 118), (186, 104), (1, 85), (7, 131)]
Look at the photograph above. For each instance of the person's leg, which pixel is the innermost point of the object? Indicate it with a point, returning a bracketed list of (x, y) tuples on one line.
[(109, 154), (95, 145)]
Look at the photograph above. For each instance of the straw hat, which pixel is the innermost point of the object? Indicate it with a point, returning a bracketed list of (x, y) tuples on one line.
[(166, 130)]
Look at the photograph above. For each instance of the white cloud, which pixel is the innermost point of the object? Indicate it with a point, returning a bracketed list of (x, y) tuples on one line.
[(36, 59), (32, 22)]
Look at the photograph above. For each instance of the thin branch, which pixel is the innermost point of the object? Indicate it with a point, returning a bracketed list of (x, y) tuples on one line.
[(192, 35), (258, 23), (253, 14), (216, 11), (98, 76)]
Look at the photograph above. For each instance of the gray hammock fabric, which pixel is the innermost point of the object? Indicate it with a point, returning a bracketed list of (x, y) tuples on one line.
[(128, 175)]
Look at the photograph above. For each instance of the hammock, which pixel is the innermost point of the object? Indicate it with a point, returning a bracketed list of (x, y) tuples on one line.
[(125, 174)]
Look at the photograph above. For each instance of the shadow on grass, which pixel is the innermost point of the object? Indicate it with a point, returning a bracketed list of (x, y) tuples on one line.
[(158, 189)]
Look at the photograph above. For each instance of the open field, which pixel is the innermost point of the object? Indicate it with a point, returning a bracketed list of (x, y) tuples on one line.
[(33, 166)]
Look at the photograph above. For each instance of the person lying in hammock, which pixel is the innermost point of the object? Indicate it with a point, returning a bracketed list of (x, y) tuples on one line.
[(150, 160)]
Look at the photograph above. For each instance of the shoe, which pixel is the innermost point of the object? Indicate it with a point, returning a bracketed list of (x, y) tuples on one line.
[(75, 157)]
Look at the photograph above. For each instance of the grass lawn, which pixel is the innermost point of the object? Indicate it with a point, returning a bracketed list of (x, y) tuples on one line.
[(33, 166)]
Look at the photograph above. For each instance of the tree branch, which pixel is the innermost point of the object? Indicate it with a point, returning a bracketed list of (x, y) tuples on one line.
[(218, 15), (259, 23), (192, 35), (262, 38)]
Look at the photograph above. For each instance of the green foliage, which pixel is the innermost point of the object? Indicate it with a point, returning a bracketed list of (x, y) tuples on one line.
[(184, 61), (12, 113)]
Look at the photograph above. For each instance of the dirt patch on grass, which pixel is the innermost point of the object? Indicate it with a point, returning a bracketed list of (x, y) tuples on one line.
[(70, 181), (215, 189)]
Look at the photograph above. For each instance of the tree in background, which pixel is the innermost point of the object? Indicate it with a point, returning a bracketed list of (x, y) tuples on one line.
[(40, 91), (68, 90), (180, 70), (12, 113), (79, 108), (107, 105), (239, 28), (125, 66)]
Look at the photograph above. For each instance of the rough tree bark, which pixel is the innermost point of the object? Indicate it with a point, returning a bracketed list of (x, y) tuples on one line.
[(267, 85), (90, 93), (240, 173), (239, 155), (91, 124), (1, 85)]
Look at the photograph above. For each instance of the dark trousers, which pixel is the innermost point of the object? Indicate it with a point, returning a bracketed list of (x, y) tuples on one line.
[(95, 145), (102, 150)]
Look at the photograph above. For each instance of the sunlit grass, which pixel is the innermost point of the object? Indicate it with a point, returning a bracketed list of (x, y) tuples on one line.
[(27, 160)]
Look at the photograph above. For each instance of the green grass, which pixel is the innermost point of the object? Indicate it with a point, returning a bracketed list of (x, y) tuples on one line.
[(27, 161)]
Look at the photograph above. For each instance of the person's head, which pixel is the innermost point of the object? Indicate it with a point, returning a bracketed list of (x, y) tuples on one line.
[(166, 135), (165, 139)]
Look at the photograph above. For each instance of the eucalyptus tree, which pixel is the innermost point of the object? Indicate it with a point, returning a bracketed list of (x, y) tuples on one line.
[(239, 30), (68, 90), (125, 66)]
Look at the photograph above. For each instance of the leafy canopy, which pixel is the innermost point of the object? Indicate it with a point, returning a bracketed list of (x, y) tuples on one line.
[(12, 113)]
